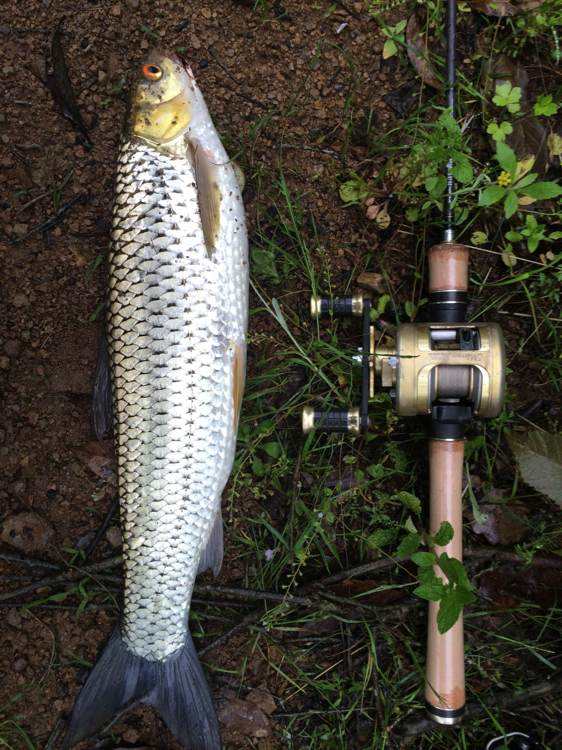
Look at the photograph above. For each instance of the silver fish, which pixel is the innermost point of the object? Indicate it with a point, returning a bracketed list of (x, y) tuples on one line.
[(177, 319)]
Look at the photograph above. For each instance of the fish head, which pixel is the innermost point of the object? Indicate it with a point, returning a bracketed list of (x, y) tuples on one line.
[(163, 98)]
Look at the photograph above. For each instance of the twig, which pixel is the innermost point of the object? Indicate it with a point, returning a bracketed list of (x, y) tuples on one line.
[(102, 529), (250, 619), (67, 577), (546, 690), (30, 561)]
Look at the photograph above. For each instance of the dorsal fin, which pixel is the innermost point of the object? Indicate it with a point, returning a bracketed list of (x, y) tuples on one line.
[(208, 192)]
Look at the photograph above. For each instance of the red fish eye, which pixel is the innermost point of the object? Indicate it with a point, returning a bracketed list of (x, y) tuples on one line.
[(152, 72)]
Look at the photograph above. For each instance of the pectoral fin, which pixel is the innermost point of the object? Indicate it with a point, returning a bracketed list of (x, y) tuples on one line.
[(208, 193)]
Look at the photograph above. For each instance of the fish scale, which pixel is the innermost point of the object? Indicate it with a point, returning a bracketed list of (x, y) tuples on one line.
[(172, 391)]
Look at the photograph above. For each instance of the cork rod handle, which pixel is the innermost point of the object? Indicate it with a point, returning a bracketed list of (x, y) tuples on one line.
[(444, 687)]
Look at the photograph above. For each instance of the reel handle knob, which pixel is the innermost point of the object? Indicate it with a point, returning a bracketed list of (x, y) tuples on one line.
[(337, 420), (338, 307)]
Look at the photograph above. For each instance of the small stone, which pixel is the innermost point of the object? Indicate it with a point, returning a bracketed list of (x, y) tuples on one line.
[(20, 664), (195, 42), (102, 76), (4, 362), (244, 718), (262, 698), (116, 10), (28, 532), (13, 618), (145, 44), (19, 229), (20, 300), (113, 536)]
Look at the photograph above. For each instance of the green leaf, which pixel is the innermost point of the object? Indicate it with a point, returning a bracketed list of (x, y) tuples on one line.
[(275, 450), (433, 591), (543, 190), (424, 559), (545, 106), (528, 179), (263, 264), (449, 611), (435, 185), (510, 205), (377, 471), (258, 467), (444, 534), (539, 456), (354, 191), (506, 157), (499, 132), (409, 545), (490, 195), (454, 570), (389, 49), (478, 238), (507, 96), (462, 170), (409, 500), (382, 537)]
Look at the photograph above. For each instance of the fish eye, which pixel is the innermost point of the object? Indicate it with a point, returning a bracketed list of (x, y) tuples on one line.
[(152, 72)]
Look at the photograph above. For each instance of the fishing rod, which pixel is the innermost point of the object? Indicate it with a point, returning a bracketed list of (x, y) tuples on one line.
[(448, 370)]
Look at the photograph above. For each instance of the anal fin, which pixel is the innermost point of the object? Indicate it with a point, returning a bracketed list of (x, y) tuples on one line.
[(211, 558)]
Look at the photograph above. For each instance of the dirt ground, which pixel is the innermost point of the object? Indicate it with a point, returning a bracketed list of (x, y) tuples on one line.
[(277, 84)]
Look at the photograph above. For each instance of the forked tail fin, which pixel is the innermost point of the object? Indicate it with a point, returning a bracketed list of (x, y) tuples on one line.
[(176, 688)]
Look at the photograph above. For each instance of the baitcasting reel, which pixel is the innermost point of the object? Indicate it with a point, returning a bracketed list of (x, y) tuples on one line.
[(450, 371)]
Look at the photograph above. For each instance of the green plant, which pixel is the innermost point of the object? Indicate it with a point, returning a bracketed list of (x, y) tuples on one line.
[(501, 131), (508, 96), (545, 105), (395, 36), (516, 185), (533, 232), (452, 589)]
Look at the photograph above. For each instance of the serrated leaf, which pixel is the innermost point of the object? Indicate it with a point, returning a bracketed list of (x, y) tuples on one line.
[(409, 545), (454, 570), (377, 471), (444, 534), (432, 592), (541, 191), (506, 157), (462, 171), (409, 500), (424, 559), (490, 195), (381, 537), (449, 611), (539, 457)]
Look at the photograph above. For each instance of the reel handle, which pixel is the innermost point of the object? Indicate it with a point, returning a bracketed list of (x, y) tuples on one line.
[(339, 307), (445, 685), (337, 420)]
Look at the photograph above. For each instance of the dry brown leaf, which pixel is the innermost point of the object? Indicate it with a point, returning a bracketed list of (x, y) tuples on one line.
[(498, 8), (416, 44), (502, 8)]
